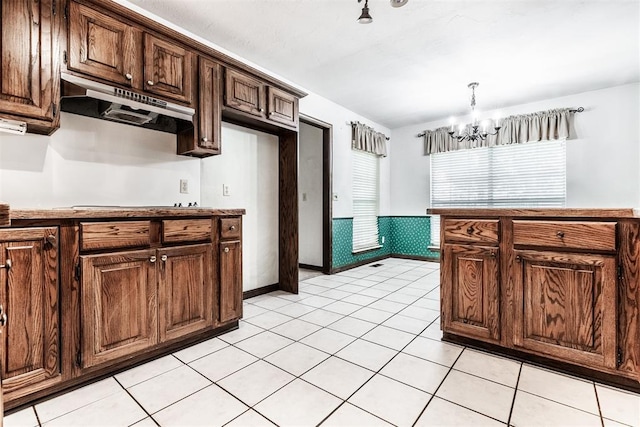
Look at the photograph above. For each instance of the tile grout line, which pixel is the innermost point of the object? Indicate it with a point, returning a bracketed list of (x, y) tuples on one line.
[(595, 390), (136, 400), (513, 401)]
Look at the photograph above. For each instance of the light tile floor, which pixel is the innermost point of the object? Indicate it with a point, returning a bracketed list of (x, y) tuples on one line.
[(360, 348)]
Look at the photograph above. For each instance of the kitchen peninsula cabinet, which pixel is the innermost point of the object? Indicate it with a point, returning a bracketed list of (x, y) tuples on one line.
[(111, 288), (567, 290), (29, 81), (30, 341)]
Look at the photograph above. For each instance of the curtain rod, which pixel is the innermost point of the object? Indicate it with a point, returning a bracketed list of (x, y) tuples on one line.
[(352, 123), (573, 110)]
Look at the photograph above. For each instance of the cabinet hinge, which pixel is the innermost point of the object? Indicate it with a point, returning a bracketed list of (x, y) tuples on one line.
[(66, 11), (54, 109), (76, 272), (619, 357), (64, 56), (79, 359), (53, 7), (620, 272)]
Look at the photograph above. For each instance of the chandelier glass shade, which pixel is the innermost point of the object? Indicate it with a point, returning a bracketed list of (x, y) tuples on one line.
[(473, 133)]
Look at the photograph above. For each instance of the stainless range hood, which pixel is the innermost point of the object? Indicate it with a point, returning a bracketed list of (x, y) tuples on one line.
[(92, 99)]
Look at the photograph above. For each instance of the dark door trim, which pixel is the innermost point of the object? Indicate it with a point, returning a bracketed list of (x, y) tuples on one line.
[(327, 168)]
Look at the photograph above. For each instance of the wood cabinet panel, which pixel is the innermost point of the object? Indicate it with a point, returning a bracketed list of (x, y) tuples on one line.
[(282, 107), (186, 230), (114, 234), (30, 344), (483, 231), (210, 100), (244, 93), (565, 306), (230, 281), (26, 80), (471, 292), (591, 235), (104, 47), (119, 305), (230, 228), (185, 290), (629, 298), (168, 69)]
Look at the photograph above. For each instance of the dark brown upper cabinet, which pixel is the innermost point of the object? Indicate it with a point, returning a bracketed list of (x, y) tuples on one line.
[(104, 47), (168, 69), (245, 93), (283, 107), (27, 81)]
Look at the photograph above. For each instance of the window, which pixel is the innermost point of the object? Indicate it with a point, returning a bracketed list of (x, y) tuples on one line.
[(518, 175), (365, 201)]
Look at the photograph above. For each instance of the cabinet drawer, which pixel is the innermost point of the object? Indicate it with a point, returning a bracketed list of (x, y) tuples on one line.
[(230, 228), (471, 230), (592, 235), (114, 234), (186, 230)]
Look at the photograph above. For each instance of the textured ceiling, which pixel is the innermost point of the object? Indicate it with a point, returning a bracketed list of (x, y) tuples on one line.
[(412, 64)]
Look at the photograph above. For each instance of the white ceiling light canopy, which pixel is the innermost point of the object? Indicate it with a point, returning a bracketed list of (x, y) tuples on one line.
[(366, 18)]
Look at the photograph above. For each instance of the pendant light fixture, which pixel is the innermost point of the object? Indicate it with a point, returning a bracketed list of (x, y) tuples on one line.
[(365, 17), (474, 134)]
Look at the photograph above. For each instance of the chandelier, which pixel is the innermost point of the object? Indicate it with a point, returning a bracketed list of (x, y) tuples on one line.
[(474, 134), (365, 17)]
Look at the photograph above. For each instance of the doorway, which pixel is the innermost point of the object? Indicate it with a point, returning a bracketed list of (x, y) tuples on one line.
[(314, 194)]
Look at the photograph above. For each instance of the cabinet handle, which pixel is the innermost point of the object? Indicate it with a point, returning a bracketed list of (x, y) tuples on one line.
[(150, 82), (262, 110), (152, 258), (465, 321), (128, 76), (3, 316), (226, 250), (493, 254), (470, 230), (205, 139), (233, 227), (52, 240), (518, 258), (560, 234), (164, 258), (7, 264)]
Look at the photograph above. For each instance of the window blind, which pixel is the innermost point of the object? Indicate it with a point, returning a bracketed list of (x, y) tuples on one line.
[(365, 201), (518, 175)]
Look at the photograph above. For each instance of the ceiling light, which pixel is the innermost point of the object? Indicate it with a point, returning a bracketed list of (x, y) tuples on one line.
[(398, 3), (474, 134), (365, 17)]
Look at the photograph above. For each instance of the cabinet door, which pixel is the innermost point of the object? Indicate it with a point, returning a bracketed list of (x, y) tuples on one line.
[(244, 93), (104, 47), (119, 305), (30, 347), (565, 306), (186, 290), (168, 69), (230, 281), (210, 115), (471, 291), (283, 107), (26, 77)]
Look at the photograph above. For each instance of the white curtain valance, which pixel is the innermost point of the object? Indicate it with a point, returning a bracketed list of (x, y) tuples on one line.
[(367, 139), (541, 126)]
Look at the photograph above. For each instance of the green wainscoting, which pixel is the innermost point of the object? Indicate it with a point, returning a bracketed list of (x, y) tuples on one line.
[(403, 235)]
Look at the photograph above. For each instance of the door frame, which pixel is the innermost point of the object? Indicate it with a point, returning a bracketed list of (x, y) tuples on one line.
[(327, 188)]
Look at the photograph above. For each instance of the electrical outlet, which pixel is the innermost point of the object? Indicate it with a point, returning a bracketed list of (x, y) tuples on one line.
[(225, 190), (184, 186)]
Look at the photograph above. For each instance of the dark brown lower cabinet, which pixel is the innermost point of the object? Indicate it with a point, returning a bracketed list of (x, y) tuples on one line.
[(566, 306), (119, 305), (471, 291), (230, 280), (29, 343), (186, 292)]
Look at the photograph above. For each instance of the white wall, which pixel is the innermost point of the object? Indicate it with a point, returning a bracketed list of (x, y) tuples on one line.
[(310, 194), (249, 166), (323, 109), (89, 161), (602, 162)]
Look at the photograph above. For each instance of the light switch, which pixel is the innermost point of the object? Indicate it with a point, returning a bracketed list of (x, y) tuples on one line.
[(184, 186), (225, 190)]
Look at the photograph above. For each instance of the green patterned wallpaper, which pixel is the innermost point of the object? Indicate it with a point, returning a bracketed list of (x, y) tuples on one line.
[(405, 235)]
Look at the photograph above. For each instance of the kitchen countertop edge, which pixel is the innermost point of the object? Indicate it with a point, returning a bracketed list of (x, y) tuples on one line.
[(540, 212), (124, 212)]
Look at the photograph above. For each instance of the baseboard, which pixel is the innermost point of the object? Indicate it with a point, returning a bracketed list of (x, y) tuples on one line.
[(358, 264), (416, 257), (260, 291), (311, 267)]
